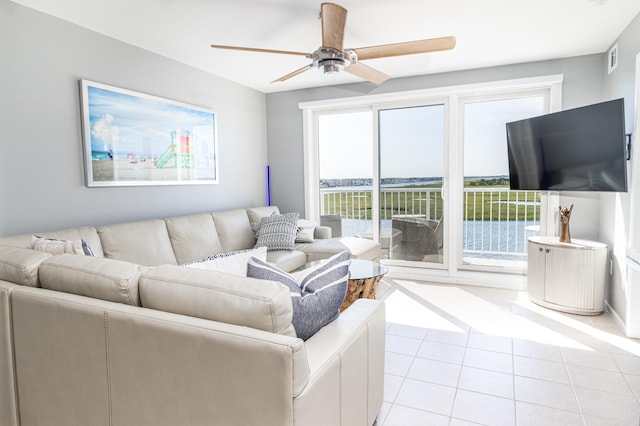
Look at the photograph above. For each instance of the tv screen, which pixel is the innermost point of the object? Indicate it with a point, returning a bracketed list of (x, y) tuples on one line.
[(581, 149)]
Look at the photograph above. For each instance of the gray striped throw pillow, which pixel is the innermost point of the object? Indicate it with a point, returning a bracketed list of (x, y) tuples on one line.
[(278, 231), (317, 293)]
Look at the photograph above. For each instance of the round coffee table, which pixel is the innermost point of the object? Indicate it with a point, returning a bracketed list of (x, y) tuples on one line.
[(364, 276)]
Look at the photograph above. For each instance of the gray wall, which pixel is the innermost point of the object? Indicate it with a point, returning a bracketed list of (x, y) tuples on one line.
[(615, 208), (582, 85), (41, 162)]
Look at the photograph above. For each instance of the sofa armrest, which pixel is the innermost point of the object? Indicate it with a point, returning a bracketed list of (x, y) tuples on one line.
[(322, 232), (347, 354)]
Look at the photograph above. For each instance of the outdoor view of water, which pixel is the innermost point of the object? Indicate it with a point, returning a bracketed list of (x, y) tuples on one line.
[(368, 187), (491, 238), (498, 237)]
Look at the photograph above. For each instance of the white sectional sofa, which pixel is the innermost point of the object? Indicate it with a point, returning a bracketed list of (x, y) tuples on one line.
[(130, 337)]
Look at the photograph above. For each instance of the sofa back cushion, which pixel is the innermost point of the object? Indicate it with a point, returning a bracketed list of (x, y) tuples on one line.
[(234, 230), (264, 305), (193, 237), (257, 213), (146, 242), (100, 278), (20, 265)]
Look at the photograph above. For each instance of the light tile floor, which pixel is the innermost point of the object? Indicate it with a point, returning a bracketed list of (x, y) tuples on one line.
[(463, 355)]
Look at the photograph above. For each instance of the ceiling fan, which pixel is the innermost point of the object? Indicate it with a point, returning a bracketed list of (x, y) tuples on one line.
[(331, 57)]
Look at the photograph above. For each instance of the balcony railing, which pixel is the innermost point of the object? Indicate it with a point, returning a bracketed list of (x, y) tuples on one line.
[(496, 221)]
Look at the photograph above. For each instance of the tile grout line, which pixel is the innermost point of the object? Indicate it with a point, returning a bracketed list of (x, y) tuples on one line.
[(626, 380), (404, 379), (455, 394)]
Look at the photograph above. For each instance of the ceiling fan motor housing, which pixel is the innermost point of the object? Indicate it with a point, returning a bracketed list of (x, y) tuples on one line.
[(330, 60)]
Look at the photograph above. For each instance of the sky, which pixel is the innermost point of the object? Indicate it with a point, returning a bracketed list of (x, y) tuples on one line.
[(412, 140)]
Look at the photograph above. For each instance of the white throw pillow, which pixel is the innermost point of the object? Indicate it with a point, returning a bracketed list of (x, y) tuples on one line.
[(234, 262), (306, 229), (56, 246)]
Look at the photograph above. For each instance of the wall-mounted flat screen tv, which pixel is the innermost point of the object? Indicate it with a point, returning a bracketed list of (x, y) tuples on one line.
[(581, 149)]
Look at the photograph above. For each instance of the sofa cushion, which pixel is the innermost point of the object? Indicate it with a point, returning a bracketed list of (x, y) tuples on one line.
[(219, 297), (360, 248), (97, 277), (234, 230), (287, 260), (257, 213), (234, 262), (316, 292), (146, 242), (58, 246), (193, 237), (278, 231), (20, 265)]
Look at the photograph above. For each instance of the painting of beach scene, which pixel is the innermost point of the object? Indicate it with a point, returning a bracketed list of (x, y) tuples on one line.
[(132, 139)]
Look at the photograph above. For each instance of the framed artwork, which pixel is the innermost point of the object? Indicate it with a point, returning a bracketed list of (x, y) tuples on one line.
[(134, 139)]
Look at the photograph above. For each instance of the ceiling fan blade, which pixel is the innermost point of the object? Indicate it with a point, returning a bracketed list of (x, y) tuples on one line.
[(407, 48), (365, 71), (252, 49), (334, 19), (293, 74)]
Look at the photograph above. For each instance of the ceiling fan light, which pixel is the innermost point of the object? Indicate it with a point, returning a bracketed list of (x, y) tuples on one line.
[(332, 66), (331, 69)]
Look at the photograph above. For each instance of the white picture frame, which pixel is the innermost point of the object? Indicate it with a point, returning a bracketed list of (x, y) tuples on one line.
[(135, 139)]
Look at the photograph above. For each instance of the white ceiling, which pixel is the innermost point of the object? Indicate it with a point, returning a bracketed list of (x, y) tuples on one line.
[(488, 33)]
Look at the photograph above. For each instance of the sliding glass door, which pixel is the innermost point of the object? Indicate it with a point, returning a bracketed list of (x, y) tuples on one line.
[(383, 173), (345, 164), (412, 164), (428, 177), (496, 222)]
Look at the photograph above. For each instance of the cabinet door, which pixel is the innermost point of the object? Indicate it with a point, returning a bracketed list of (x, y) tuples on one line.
[(570, 278), (536, 270)]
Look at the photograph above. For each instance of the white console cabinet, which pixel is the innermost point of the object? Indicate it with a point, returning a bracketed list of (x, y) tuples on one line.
[(568, 277)]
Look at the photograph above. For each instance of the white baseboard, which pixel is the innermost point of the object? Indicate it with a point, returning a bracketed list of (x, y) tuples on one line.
[(616, 317)]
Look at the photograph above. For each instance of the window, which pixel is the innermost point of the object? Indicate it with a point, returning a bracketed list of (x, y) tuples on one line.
[(400, 169), (345, 161), (496, 221)]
